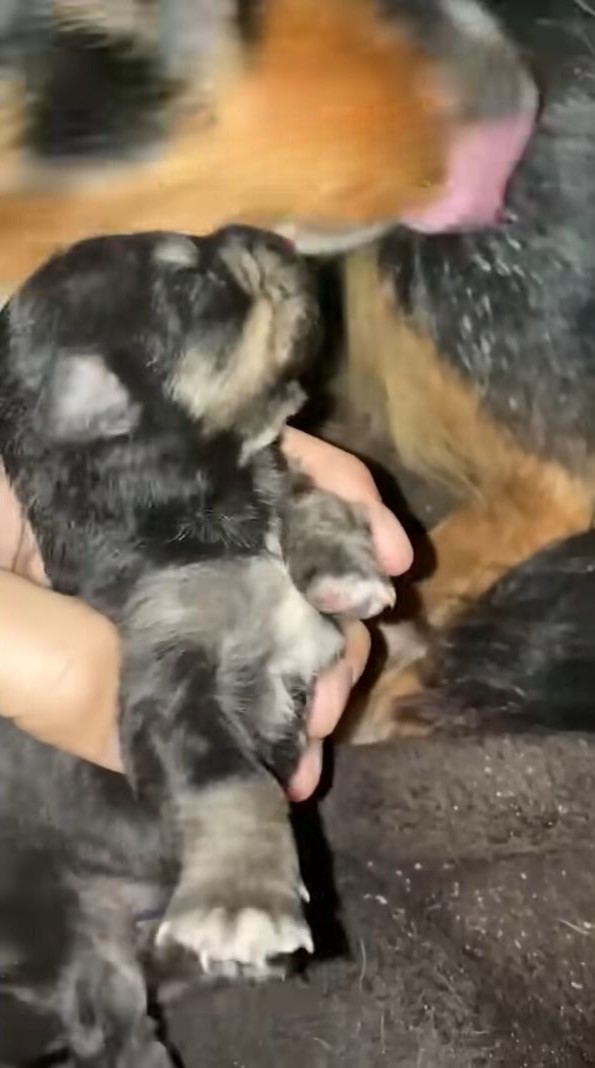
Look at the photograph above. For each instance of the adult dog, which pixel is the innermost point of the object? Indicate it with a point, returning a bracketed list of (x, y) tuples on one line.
[(474, 356)]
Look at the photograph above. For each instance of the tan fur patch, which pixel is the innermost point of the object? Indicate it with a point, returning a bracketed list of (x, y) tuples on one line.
[(339, 112), (265, 346), (375, 715), (517, 502), (217, 397), (482, 541), (438, 424)]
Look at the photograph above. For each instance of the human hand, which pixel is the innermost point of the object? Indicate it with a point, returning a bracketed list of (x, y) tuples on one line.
[(340, 472), (60, 662), (60, 666)]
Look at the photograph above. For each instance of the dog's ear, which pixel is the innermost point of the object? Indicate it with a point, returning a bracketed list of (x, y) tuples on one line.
[(86, 401)]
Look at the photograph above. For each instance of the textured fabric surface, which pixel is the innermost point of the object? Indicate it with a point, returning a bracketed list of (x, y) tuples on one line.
[(465, 873)]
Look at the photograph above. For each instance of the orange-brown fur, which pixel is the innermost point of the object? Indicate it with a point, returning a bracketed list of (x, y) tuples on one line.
[(335, 118)]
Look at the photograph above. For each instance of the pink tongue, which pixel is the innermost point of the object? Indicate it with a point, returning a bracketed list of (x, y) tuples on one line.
[(482, 161)]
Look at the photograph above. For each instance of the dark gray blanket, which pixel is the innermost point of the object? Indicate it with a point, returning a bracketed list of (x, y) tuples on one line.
[(465, 871)]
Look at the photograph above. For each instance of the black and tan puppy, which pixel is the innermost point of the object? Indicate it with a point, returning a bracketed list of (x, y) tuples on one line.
[(145, 381)]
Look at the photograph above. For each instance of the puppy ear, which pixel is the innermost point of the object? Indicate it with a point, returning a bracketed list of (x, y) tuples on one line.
[(86, 400)]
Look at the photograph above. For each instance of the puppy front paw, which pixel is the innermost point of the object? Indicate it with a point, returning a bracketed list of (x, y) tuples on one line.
[(353, 594), (331, 554), (253, 942)]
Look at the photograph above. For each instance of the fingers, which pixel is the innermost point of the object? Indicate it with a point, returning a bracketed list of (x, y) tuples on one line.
[(335, 685), (330, 699), (393, 548), (339, 472), (18, 548), (307, 776), (60, 669)]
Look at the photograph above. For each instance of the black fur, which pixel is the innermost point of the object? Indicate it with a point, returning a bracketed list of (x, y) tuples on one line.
[(522, 657), (513, 310)]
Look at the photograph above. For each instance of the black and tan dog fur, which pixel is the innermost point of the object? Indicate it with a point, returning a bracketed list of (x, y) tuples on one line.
[(145, 380), (467, 359), (475, 355)]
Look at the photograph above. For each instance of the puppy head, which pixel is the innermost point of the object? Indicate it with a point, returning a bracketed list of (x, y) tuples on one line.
[(351, 115), (125, 331)]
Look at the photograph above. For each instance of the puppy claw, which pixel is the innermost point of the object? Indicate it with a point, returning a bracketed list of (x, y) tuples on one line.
[(231, 943), (357, 596)]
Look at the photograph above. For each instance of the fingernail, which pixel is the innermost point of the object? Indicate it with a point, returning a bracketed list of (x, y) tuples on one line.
[(345, 681), (395, 553), (308, 774)]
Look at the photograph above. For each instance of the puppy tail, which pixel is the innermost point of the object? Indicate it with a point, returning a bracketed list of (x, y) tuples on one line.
[(523, 657)]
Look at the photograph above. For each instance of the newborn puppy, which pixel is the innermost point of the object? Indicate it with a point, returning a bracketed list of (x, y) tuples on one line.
[(144, 383)]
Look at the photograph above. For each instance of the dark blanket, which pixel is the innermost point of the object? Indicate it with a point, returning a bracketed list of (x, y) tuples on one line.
[(465, 871)]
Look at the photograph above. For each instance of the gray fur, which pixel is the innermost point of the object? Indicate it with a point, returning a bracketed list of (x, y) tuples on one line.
[(287, 638), (513, 309), (479, 61)]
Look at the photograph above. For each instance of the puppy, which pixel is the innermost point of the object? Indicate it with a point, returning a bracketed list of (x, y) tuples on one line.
[(145, 381)]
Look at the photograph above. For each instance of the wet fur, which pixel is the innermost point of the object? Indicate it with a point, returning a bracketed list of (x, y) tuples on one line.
[(145, 382)]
